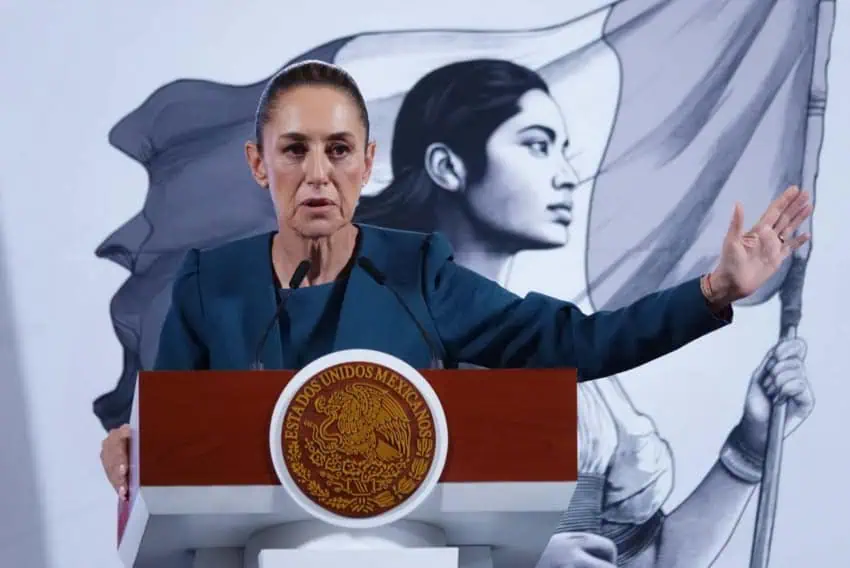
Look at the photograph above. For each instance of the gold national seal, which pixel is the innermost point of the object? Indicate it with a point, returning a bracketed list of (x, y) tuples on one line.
[(358, 439)]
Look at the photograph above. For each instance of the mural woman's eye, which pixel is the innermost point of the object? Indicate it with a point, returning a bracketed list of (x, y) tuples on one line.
[(538, 147)]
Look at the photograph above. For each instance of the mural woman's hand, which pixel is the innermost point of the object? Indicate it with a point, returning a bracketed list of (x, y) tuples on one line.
[(781, 377), (578, 550), (749, 259)]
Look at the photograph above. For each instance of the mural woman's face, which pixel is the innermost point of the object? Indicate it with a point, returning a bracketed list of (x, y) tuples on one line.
[(315, 159), (526, 192)]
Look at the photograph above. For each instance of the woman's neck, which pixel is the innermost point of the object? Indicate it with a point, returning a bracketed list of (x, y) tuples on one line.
[(474, 248), (328, 256)]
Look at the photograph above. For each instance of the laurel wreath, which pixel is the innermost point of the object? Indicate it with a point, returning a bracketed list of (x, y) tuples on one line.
[(336, 472)]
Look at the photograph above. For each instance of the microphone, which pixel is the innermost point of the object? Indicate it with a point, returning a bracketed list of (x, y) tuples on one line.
[(294, 283), (381, 279)]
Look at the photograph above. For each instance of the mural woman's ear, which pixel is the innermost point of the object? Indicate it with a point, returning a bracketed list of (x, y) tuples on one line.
[(255, 162), (445, 167)]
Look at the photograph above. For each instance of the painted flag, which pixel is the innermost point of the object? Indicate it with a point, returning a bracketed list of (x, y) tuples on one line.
[(675, 110)]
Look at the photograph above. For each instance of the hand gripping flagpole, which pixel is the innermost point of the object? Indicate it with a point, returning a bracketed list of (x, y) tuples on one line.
[(790, 296), (791, 292)]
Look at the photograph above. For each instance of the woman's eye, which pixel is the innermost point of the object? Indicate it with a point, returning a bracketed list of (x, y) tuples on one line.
[(538, 148), (338, 151), (295, 149)]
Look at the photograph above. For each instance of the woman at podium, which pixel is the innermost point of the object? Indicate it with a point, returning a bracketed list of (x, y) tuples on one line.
[(322, 282)]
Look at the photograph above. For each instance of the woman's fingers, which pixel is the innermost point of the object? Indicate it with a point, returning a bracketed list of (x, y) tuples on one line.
[(114, 456)]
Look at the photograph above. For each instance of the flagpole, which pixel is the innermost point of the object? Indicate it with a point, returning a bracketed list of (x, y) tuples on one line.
[(791, 291)]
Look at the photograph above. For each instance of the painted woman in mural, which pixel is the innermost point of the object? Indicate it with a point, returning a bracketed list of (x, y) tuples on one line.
[(479, 154)]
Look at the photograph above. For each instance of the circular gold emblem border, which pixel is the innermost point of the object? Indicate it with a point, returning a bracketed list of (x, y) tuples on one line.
[(339, 491), (293, 480)]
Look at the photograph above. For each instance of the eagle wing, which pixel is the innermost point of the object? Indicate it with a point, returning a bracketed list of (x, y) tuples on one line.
[(392, 422)]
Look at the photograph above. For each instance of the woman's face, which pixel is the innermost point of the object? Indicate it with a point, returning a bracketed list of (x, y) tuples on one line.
[(315, 159), (526, 192)]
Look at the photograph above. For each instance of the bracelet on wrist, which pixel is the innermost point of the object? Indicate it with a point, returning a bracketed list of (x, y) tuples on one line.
[(741, 461), (709, 293)]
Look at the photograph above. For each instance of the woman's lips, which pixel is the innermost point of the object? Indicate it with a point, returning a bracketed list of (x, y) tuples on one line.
[(563, 212), (318, 202)]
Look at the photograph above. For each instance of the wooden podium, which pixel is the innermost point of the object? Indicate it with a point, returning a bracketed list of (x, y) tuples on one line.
[(204, 492)]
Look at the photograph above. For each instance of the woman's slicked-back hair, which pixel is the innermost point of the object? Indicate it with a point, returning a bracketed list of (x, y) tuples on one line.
[(459, 105), (307, 73)]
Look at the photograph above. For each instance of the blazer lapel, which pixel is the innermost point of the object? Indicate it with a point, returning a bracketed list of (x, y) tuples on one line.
[(260, 303), (363, 310)]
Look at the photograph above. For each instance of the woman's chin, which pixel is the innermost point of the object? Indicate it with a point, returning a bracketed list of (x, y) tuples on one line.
[(555, 235), (540, 237), (318, 227)]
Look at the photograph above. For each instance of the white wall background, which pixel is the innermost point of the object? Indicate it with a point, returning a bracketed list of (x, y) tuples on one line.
[(72, 69)]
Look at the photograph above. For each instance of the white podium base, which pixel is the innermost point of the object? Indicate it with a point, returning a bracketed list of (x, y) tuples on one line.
[(464, 557), (387, 558), (314, 544), (461, 557)]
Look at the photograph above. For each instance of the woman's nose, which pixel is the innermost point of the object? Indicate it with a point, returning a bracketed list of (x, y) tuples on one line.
[(318, 167), (566, 178)]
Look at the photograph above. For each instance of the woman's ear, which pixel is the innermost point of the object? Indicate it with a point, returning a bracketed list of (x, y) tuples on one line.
[(255, 162), (445, 167), (370, 162)]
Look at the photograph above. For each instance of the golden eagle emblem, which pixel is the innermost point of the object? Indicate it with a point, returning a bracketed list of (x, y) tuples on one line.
[(367, 423), (358, 439)]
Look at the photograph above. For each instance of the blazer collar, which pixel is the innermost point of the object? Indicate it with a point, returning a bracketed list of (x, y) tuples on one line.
[(261, 295)]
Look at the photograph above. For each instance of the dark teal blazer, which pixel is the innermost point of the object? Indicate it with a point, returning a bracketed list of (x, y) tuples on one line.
[(224, 298)]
